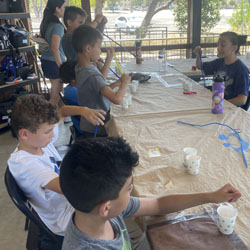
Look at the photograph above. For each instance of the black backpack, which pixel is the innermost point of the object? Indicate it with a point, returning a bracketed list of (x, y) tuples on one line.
[(4, 39), (16, 6)]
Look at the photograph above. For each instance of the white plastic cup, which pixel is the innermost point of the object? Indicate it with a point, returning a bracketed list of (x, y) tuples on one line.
[(188, 151), (125, 103), (227, 215), (248, 55), (136, 83), (187, 86), (129, 98), (133, 88), (193, 164)]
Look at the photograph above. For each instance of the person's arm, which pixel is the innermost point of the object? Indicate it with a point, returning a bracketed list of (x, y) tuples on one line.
[(197, 50), (54, 46), (54, 185), (94, 116), (239, 100), (115, 84), (116, 97), (178, 202), (105, 68), (97, 21)]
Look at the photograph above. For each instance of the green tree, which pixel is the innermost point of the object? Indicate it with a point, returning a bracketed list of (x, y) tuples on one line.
[(74, 2), (210, 14), (154, 7), (240, 20), (37, 6)]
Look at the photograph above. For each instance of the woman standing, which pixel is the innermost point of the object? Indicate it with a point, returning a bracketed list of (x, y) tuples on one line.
[(52, 30)]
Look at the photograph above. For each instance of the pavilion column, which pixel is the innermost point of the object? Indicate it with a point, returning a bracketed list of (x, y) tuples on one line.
[(194, 25), (86, 6)]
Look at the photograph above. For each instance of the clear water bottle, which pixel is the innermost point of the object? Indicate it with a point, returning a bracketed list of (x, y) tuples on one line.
[(162, 60)]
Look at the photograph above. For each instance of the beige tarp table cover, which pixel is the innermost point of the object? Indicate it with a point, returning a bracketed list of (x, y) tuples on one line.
[(151, 122)]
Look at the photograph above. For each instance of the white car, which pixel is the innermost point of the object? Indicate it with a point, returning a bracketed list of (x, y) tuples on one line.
[(128, 23)]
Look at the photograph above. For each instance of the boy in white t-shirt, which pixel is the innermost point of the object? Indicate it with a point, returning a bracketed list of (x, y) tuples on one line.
[(35, 163)]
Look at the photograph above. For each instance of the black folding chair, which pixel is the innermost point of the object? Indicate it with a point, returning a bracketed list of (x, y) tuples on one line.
[(20, 200)]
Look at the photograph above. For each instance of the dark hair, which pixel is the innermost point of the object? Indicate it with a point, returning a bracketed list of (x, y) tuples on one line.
[(48, 15), (84, 35), (71, 13), (235, 39), (95, 170), (31, 111), (67, 71)]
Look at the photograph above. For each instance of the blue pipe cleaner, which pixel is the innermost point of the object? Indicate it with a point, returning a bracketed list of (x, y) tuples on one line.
[(96, 128), (221, 124)]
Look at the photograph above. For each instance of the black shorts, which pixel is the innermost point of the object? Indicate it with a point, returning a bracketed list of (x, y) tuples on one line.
[(50, 69)]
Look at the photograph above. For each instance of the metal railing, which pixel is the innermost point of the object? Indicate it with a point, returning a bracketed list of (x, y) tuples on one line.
[(157, 38)]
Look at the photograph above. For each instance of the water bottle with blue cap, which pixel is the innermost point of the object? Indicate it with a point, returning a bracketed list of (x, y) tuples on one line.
[(162, 60)]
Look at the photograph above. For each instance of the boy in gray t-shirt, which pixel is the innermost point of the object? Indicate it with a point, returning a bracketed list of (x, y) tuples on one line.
[(96, 178), (93, 91), (73, 17)]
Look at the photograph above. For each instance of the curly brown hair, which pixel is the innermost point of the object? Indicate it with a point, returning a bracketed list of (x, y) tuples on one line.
[(30, 111)]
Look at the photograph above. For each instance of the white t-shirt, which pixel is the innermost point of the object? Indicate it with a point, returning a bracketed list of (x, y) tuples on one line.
[(32, 173)]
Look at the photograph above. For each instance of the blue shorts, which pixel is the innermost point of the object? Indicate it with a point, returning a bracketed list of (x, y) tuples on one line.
[(50, 69)]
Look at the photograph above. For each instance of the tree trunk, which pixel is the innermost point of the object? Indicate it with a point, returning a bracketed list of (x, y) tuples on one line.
[(98, 7), (142, 31), (37, 7)]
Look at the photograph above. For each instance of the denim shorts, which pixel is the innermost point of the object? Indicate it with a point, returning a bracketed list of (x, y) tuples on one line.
[(50, 69)]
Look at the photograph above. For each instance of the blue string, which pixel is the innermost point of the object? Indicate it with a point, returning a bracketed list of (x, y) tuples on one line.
[(221, 124), (96, 128), (114, 73), (203, 74)]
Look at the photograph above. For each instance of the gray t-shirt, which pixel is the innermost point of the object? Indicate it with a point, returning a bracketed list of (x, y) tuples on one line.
[(68, 49), (74, 239), (90, 81), (54, 29)]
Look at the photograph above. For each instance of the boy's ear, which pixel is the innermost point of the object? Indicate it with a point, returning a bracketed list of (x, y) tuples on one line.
[(235, 47), (87, 48), (104, 209), (23, 133)]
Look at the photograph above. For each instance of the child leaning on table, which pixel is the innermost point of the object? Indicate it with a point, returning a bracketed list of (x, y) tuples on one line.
[(96, 178), (235, 71), (93, 91), (35, 163)]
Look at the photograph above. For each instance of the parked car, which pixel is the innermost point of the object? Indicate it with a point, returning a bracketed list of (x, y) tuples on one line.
[(128, 23)]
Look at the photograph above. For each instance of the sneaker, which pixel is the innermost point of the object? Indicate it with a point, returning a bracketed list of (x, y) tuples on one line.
[(16, 80), (32, 76)]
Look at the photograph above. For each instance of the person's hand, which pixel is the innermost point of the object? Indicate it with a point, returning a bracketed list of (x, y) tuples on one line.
[(99, 64), (110, 53), (125, 79), (197, 51), (227, 193), (99, 18), (94, 116)]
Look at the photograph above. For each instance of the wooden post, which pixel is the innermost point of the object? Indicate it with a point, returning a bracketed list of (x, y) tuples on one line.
[(188, 51), (86, 6), (195, 24)]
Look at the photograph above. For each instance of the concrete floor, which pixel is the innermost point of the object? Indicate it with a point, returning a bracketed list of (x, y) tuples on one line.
[(12, 234)]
